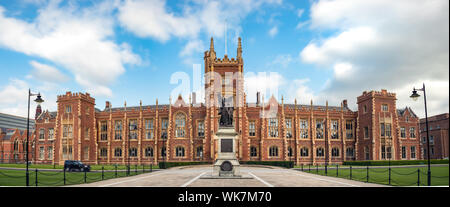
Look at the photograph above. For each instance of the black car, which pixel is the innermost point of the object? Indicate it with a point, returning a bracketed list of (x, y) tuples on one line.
[(74, 165)]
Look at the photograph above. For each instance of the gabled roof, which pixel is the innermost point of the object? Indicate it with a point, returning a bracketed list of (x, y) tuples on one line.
[(401, 112)]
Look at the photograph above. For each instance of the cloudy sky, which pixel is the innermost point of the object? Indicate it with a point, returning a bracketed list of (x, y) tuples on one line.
[(132, 50)]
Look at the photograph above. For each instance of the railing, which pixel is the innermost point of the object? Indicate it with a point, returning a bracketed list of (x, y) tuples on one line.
[(395, 176), (49, 177)]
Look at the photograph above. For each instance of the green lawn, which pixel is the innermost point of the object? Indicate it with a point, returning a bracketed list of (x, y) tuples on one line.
[(399, 176), (49, 178)]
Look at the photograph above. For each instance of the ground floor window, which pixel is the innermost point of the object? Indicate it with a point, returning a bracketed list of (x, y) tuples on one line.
[(413, 152), (253, 151), (320, 152), (132, 152), (199, 151), (290, 153), (179, 152), (273, 151), (350, 152), (118, 152), (149, 152), (335, 152), (403, 152), (304, 152), (103, 152)]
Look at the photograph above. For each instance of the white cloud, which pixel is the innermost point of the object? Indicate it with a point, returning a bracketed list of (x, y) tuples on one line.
[(156, 20), (273, 31), (282, 60), (382, 44), (47, 73), (267, 83), (300, 12), (191, 47), (77, 39), (17, 102)]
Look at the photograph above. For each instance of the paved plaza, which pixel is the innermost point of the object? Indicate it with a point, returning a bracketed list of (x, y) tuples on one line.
[(263, 176)]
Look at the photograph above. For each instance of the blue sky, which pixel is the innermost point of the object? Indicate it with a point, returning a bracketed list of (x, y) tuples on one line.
[(128, 50)]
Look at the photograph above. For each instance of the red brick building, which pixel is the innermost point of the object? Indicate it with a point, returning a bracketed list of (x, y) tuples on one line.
[(438, 126), (184, 130)]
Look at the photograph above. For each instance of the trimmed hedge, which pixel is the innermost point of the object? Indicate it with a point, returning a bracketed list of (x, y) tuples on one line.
[(286, 164), (164, 165), (393, 162)]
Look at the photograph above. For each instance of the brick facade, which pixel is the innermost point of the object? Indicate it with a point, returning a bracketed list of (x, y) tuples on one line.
[(271, 130), (438, 132)]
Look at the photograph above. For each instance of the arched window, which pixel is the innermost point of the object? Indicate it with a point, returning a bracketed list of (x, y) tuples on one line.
[(179, 151), (132, 152), (103, 152), (253, 151), (199, 151), (320, 152), (335, 152), (180, 122), (290, 152), (304, 152), (118, 152), (273, 151), (16, 145), (349, 152), (149, 152)]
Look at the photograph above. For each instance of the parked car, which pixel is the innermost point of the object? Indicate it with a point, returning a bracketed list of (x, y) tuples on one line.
[(75, 165)]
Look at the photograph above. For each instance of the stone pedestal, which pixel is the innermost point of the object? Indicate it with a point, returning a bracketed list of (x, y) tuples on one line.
[(226, 165)]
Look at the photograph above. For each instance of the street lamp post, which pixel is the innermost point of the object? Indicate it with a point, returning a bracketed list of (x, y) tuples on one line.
[(415, 96), (38, 100)]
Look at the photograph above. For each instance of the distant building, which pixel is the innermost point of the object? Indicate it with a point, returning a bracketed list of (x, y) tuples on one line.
[(13, 138), (8, 121), (438, 126)]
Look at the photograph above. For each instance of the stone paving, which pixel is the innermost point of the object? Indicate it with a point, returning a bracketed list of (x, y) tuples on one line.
[(263, 176)]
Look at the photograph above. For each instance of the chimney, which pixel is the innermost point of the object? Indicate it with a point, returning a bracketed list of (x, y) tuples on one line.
[(344, 102), (107, 105), (194, 98), (257, 99), (38, 111)]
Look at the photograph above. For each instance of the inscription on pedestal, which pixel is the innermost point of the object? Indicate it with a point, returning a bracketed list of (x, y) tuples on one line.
[(226, 145)]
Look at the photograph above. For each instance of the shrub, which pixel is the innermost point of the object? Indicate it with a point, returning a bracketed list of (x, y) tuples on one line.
[(286, 164), (164, 165)]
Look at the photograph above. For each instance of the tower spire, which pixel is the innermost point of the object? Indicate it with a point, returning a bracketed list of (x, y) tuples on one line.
[(239, 49)]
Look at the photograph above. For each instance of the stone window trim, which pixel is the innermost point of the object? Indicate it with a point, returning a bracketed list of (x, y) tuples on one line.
[(118, 152), (180, 124), (254, 153), (164, 127), (133, 152), (320, 152), (200, 128), (68, 109), (118, 129), (149, 128), (41, 134), (252, 128), (289, 128), (180, 151), (304, 128), (273, 151), (133, 129), (348, 150), (304, 150), (103, 152), (335, 152), (368, 132), (199, 151), (334, 129), (148, 151)]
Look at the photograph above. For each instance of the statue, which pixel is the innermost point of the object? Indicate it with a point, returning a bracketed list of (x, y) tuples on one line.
[(226, 115)]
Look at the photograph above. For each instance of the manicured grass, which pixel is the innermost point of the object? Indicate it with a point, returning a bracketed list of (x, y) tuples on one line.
[(399, 176), (49, 178)]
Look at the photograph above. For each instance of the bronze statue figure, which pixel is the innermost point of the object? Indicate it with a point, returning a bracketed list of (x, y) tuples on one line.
[(226, 115)]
